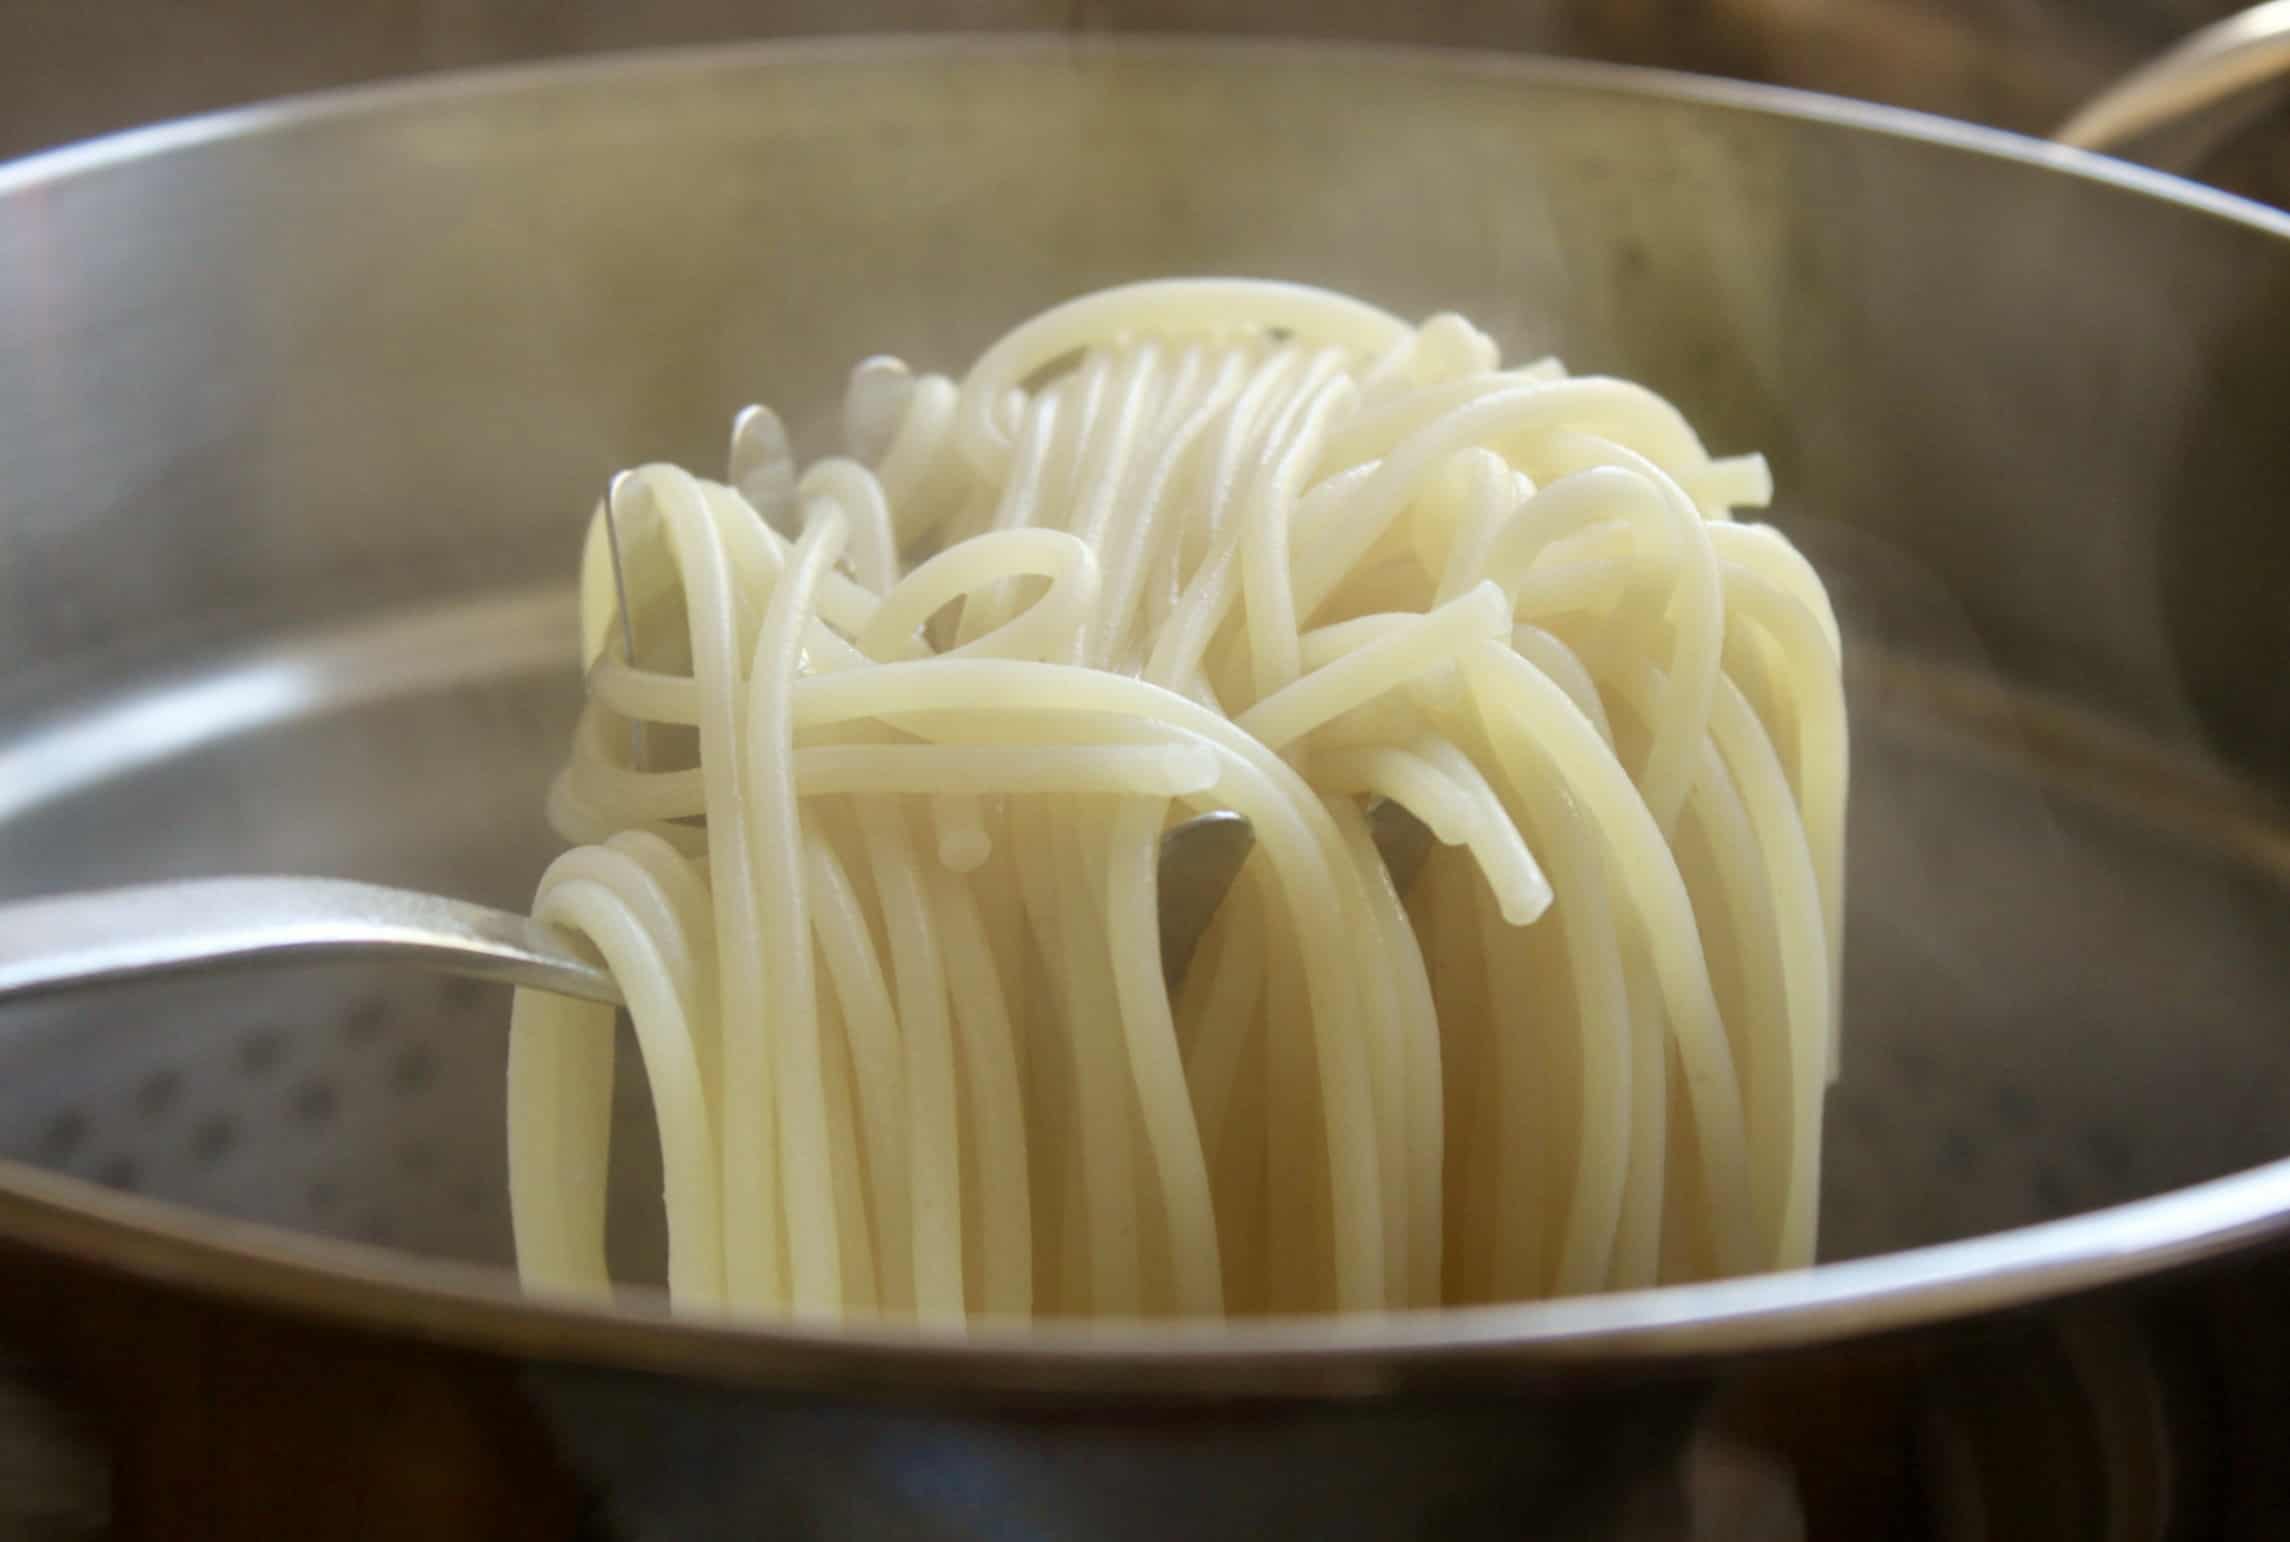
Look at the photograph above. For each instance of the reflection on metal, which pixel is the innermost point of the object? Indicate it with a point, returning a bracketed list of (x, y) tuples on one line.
[(194, 926), (2223, 60), (287, 679)]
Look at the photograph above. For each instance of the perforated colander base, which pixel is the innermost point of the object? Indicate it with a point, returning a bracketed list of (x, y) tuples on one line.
[(2048, 1008)]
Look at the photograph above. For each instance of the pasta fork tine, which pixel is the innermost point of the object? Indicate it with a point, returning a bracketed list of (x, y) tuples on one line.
[(1201, 859), (69, 942)]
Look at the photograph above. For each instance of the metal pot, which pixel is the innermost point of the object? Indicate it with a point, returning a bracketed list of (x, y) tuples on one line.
[(2016, 64), (301, 409)]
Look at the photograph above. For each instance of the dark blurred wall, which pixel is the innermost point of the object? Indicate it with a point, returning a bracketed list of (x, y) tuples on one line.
[(74, 68)]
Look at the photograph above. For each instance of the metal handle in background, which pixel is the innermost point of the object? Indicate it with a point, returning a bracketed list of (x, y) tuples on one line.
[(2202, 70), (195, 926)]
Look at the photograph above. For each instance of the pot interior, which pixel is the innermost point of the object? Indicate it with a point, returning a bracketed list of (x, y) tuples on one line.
[(302, 420)]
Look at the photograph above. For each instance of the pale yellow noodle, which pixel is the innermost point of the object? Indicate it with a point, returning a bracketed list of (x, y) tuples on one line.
[(869, 828)]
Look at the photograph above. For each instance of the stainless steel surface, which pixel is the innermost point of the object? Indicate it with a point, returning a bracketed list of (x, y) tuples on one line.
[(1403, 841), (194, 926), (303, 410), (2016, 64), (1199, 861), (2019, 64), (1202, 856), (2230, 56)]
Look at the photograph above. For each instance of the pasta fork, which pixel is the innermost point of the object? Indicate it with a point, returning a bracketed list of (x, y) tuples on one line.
[(203, 925)]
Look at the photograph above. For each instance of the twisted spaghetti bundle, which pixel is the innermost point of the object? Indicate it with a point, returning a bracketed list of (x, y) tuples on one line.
[(880, 888)]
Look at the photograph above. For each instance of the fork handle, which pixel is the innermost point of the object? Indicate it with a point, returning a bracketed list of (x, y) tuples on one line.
[(200, 925)]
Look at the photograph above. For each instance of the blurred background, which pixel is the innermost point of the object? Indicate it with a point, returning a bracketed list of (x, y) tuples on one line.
[(71, 69)]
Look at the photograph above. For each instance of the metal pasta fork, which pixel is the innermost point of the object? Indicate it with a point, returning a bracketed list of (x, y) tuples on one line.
[(204, 925), (197, 926)]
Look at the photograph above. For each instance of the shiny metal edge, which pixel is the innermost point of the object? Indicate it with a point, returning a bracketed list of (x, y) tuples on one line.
[(91, 155), (1669, 1330)]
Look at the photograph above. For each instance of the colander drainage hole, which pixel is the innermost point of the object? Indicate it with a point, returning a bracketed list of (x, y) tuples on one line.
[(1959, 1155), (261, 1051), (159, 1092), (364, 1022), (1918, 1070), (2016, 1107), (64, 1135), (1869, 1118), (315, 1101), (214, 1139), (2054, 1197), (2110, 1154), (413, 1069)]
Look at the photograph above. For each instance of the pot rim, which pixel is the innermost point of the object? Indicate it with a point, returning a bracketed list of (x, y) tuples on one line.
[(1664, 1330)]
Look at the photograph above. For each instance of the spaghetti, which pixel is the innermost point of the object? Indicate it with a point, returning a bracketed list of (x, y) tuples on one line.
[(880, 889)]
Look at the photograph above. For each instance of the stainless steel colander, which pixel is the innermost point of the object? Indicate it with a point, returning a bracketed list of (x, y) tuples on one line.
[(300, 410)]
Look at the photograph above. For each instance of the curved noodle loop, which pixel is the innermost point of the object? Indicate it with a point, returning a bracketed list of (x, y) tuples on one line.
[(876, 867)]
